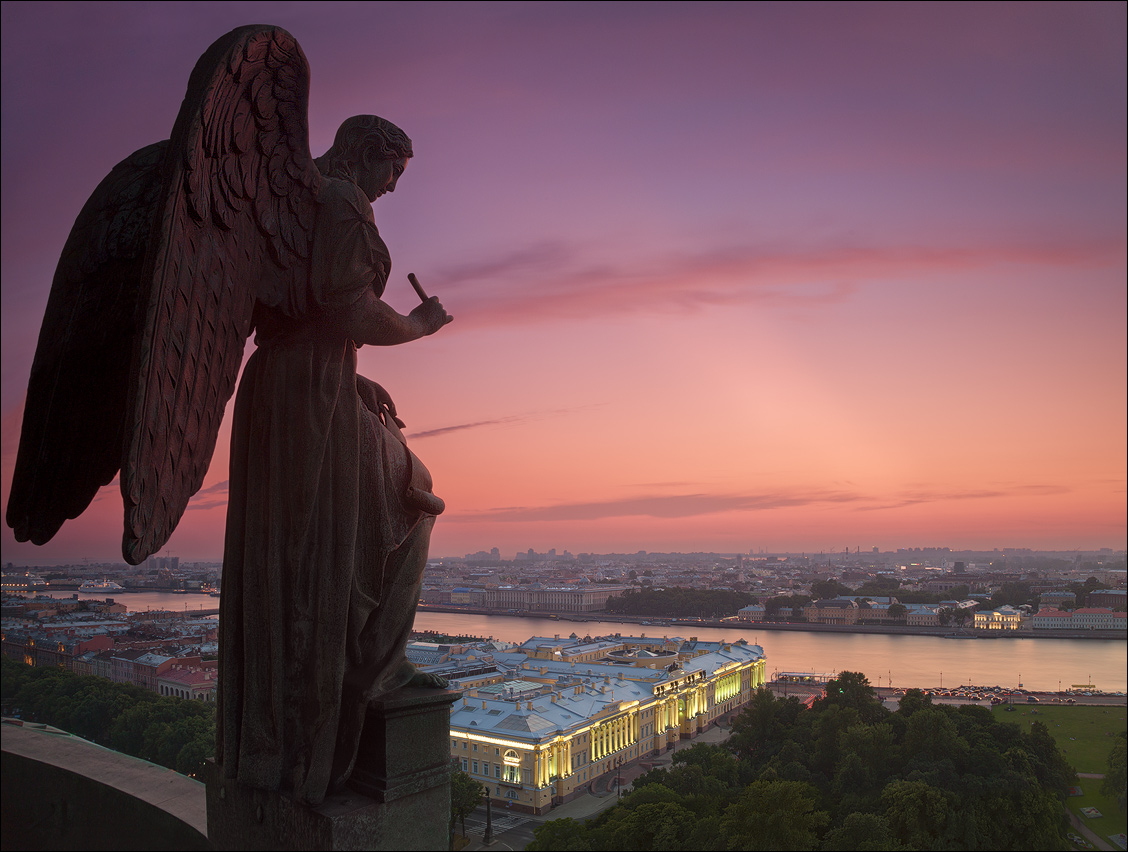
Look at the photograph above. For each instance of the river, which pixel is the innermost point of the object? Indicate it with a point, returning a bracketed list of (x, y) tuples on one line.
[(925, 661)]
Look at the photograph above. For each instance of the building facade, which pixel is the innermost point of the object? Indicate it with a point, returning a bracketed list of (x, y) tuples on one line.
[(556, 729), (1003, 618)]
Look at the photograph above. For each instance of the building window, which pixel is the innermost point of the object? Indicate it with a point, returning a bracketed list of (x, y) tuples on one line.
[(512, 770)]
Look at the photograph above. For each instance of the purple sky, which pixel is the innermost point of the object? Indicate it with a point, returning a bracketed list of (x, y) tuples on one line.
[(725, 276)]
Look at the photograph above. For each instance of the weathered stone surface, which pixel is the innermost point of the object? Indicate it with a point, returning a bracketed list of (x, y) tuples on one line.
[(63, 792), (398, 798), (231, 226)]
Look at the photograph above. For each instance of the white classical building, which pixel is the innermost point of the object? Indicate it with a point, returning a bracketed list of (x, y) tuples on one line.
[(569, 713), (1003, 618)]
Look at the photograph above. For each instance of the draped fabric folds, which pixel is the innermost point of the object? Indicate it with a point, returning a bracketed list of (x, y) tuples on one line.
[(323, 556)]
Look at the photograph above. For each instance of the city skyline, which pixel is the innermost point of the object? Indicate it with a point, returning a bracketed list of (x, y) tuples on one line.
[(727, 277)]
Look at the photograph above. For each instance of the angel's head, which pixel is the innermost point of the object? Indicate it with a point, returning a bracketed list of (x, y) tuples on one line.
[(370, 151)]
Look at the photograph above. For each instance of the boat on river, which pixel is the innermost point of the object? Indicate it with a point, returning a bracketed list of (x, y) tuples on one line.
[(101, 586)]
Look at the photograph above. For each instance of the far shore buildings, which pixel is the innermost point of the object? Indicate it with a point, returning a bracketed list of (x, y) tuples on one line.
[(1088, 618), (526, 598), (556, 718), (850, 610)]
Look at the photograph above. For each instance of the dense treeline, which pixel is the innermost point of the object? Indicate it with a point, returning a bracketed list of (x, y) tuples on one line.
[(679, 603), (171, 732), (847, 774)]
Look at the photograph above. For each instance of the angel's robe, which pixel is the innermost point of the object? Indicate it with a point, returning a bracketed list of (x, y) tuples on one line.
[(324, 556)]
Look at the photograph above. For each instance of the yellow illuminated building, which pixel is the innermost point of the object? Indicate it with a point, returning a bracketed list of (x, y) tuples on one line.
[(558, 728), (1003, 618)]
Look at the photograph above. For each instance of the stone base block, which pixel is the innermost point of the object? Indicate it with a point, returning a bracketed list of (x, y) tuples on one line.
[(399, 796)]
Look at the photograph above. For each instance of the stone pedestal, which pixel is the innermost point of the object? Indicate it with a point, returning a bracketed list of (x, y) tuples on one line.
[(398, 796)]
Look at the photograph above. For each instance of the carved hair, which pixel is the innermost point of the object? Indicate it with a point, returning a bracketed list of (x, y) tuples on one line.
[(355, 136)]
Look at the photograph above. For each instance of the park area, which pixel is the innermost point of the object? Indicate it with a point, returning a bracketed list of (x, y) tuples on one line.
[(1086, 735)]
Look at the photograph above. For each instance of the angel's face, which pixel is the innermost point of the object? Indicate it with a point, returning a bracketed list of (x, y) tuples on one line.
[(379, 176)]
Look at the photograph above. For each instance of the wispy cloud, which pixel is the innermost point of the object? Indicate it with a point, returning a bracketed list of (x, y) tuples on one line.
[(660, 506), (211, 497), (444, 430), (917, 497), (510, 420), (557, 280), (688, 505)]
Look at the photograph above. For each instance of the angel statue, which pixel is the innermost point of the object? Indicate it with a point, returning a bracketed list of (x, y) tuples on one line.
[(189, 245)]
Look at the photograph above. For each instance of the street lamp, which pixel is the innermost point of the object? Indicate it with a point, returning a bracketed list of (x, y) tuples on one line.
[(487, 836)]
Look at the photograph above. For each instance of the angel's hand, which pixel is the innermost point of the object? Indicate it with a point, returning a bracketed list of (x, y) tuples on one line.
[(429, 316)]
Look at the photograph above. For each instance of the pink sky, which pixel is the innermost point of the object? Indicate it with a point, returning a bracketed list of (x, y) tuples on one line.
[(725, 277)]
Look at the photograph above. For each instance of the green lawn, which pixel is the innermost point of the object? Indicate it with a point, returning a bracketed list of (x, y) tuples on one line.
[(1111, 821), (1086, 735)]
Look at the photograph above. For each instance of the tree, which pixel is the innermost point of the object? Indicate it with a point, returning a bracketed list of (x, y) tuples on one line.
[(862, 832), (824, 589), (853, 689), (898, 611), (867, 753), (465, 796), (916, 812), (879, 587), (931, 736), (715, 761), (565, 835), (1011, 594), (761, 728), (774, 815), (774, 605), (912, 701), (1115, 783)]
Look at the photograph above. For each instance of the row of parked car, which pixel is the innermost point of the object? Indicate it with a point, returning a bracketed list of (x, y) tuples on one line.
[(994, 694)]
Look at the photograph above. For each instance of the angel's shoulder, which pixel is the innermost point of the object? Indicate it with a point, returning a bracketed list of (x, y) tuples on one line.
[(342, 194)]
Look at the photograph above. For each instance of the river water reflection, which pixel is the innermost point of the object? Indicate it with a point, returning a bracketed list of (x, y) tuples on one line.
[(924, 661)]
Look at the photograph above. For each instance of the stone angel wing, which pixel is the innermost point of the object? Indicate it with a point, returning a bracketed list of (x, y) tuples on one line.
[(74, 417), (229, 209)]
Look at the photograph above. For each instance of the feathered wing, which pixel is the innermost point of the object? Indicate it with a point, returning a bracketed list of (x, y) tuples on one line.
[(74, 417), (234, 225)]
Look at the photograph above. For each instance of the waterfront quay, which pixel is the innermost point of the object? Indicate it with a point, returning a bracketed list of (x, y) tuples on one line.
[(1027, 699), (687, 624)]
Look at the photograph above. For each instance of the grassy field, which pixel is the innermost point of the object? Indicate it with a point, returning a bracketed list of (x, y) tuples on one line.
[(1085, 735)]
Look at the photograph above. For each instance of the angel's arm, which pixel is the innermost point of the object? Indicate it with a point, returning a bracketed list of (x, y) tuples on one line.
[(374, 322)]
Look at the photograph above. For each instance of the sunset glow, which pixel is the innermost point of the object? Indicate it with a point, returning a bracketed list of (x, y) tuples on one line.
[(725, 277)]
